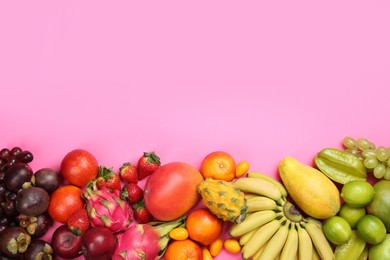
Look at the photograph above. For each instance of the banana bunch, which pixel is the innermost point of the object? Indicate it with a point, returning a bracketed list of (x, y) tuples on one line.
[(273, 227)]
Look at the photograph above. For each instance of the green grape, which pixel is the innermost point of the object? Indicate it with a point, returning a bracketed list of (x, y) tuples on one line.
[(353, 151), (372, 146), (379, 171), (370, 162), (368, 153), (388, 162), (349, 142), (387, 174), (382, 154), (363, 143)]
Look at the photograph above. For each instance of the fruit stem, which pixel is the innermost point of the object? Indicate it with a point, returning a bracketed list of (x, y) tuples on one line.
[(163, 229), (291, 212)]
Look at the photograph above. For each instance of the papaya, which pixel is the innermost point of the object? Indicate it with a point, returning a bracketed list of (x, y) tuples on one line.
[(312, 191)]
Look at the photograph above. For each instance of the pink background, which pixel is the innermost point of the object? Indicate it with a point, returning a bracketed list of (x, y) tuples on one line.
[(258, 79)]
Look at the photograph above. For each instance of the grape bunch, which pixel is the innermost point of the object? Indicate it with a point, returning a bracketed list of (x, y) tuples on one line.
[(375, 159), (8, 159)]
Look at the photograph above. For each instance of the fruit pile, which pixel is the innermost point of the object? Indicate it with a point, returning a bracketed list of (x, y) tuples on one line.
[(337, 208)]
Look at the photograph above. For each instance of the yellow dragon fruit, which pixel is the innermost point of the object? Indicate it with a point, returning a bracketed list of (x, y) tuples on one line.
[(223, 199)]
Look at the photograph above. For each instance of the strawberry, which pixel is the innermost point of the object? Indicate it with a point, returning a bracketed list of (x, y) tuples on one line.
[(129, 173), (132, 193), (108, 178), (147, 164), (141, 214), (78, 222)]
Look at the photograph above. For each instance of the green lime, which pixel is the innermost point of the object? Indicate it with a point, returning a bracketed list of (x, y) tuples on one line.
[(337, 230), (357, 193), (351, 214), (371, 229)]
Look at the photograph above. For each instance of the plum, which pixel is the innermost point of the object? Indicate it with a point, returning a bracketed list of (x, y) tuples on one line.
[(66, 244), (39, 250), (14, 241), (98, 243), (17, 175), (48, 179), (32, 201), (37, 226)]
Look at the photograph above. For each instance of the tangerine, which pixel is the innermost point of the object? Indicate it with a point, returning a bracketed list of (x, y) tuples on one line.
[(183, 250), (203, 226), (79, 167), (218, 165), (241, 168), (65, 201)]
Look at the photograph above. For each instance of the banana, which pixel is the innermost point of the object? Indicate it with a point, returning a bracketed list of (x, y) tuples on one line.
[(305, 245), (317, 222), (352, 249), (315, 256), (258, 253), (260, 187), (250, 195), (244, 238), (270, 179), (260, 203), (276, 243), (319, 240), (252, 222), (290, 249), (262, 235)]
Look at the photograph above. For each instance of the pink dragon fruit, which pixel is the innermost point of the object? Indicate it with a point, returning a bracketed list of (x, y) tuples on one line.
[(106, 209), (145, 241)]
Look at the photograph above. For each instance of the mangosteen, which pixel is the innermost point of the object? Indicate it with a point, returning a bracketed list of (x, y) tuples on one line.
[(37, 226), (32, 201), (39, 250), (14, 241), (48, 179), (17, 175)]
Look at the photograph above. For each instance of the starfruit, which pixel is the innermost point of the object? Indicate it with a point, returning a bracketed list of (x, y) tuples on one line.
[(340, 166)]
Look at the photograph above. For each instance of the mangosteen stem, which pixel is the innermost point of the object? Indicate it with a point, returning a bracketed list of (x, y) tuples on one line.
[(12, 246)]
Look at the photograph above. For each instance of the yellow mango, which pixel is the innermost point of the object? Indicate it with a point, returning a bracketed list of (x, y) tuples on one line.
[(312, 191)]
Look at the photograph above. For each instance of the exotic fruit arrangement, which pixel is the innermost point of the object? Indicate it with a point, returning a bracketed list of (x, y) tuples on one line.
[(336, 207)]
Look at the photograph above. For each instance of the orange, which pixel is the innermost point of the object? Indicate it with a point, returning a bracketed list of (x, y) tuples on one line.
[(79, 167), (183, 250), (203, 226), (218, 165), (65, 201)]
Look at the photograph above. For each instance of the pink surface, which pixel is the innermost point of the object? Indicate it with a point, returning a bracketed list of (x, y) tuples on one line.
[(258, 80)]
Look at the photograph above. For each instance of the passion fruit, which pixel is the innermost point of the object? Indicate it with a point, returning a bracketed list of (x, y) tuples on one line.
[(380, 251), (380, 205)]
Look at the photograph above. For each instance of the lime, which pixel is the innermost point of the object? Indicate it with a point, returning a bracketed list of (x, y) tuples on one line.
[(351, 214), (371, 229), (337, 230), (357, 193)]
